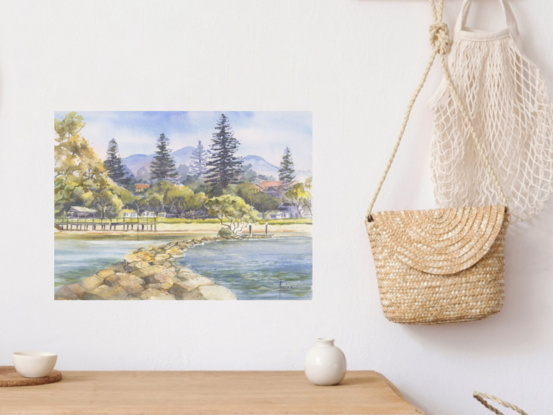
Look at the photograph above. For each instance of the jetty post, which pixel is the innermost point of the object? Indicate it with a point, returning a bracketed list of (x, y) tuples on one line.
[(250, 230), (266, 228)]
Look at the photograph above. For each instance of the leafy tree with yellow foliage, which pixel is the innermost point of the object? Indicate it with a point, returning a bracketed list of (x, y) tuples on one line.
[(80, 176), (299, 195), (232, 211), (181, 199), (252, 195)]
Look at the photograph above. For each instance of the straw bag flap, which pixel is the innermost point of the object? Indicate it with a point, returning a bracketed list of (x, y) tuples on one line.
[(439, 241)]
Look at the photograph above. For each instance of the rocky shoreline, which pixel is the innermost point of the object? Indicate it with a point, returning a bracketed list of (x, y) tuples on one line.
[(151, 273)]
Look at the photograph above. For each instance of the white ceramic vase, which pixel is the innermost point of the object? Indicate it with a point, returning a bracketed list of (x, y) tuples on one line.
[(325, 364)]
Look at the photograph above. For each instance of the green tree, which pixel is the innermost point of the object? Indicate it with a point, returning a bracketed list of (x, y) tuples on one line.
[(247, 191), (232, 212), (163, 165), (198, 161), (265, 203), (223, 166), (177, 199), (154, 203), (160, 190), (286, 173), (135, 204), (299, 196), (124, 194), (194, 182), (105, 201), (79, 174), (114, 165), (181, 199), (196, 201), (252, 195), (139, 204)]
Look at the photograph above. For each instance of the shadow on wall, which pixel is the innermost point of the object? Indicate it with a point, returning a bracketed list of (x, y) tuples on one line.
[(521, 325)]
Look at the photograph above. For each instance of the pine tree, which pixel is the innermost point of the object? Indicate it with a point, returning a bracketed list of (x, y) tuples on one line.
[(198, 161), (114, 165), (163, 165), (223, 167), (286, 173)]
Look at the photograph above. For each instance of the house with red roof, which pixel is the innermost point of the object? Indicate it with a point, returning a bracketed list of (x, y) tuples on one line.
[(275, 188), (140, 187)]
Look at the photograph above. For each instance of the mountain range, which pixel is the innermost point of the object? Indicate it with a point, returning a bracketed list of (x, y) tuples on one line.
[(136, 161), (182, 156)]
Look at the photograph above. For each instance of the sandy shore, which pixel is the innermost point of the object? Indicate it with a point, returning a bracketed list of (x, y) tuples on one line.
[(198, 228)]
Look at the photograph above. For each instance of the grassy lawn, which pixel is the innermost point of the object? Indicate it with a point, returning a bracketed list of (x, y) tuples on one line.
[(300, 221), (183, 220), (297, 221)]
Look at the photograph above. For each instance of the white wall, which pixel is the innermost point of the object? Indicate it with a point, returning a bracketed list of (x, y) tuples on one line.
[(354, 63)]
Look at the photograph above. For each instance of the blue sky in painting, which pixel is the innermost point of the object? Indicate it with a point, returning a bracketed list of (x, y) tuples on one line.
[(261, 133)]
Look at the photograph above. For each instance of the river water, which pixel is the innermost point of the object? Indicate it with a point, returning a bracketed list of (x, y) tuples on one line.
[(264, 269)]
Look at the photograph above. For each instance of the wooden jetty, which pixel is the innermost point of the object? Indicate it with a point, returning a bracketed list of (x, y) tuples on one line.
[(117, 224)]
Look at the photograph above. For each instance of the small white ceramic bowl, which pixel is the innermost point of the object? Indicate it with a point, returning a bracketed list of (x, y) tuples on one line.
[(34, 364)]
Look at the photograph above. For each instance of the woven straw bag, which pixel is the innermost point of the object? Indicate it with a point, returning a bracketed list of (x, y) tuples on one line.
[(442, 265), (482, 397)]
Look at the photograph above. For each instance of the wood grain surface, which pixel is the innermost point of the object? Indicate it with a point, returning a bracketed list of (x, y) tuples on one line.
[(10, 377), (213, 393)]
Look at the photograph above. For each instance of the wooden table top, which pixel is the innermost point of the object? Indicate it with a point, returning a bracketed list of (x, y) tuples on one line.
[(213, 393)]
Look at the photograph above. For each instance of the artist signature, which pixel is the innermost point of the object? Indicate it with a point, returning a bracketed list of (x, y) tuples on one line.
[(284, 287)]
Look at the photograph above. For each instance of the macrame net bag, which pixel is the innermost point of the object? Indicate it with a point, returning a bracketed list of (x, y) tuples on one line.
[(507, 101)]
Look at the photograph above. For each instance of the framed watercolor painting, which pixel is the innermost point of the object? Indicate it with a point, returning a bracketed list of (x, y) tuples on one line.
[(183, 205)]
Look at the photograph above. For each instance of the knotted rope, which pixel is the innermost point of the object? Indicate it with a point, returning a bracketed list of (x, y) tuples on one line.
[(481, 397), (439, 38), (441, 45)]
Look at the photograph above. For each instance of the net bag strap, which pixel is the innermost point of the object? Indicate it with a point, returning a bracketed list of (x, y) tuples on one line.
[(441, 45), (510, 19), (481, 397)]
